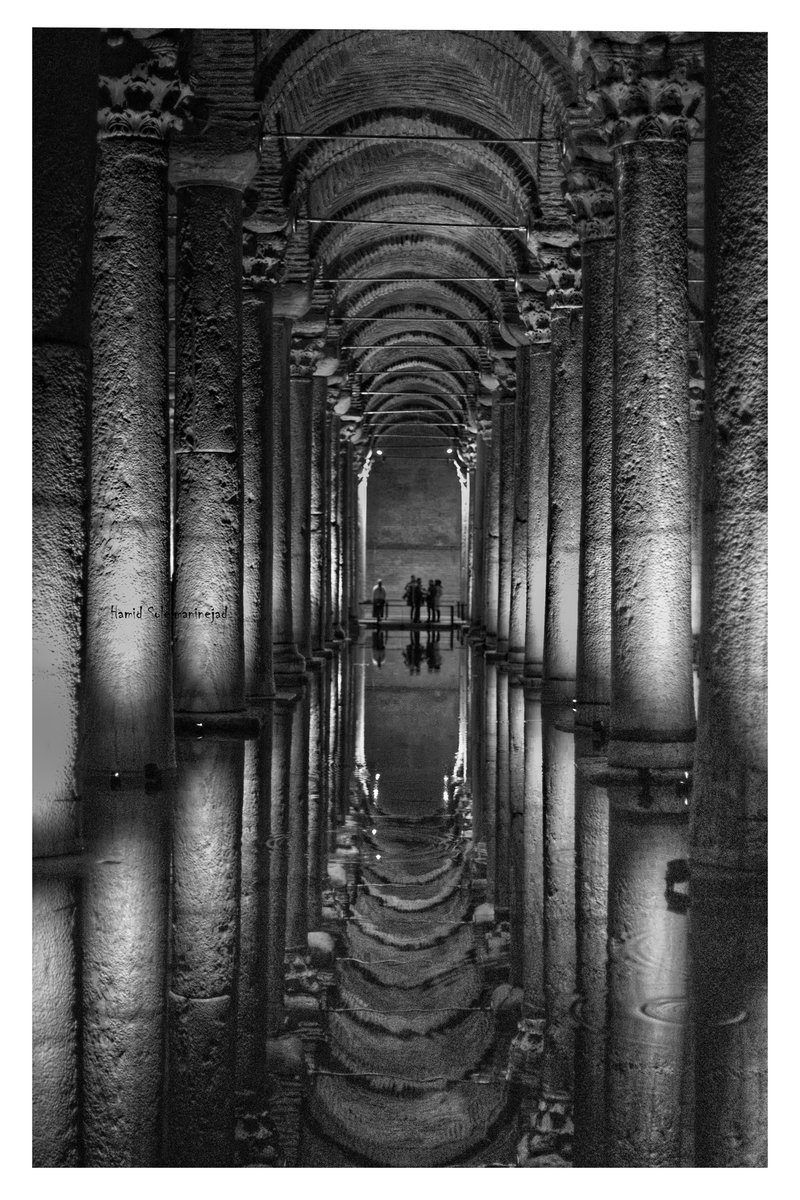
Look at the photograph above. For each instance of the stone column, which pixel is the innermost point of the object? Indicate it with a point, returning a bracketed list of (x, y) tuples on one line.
[(302, 361), (652, 708), (209, 660), (288, 662), (729, 802), (257, 479), (477, 587), (590, 197), (491, 570), (65, 68), (519, 555), (505, 523), (128, 743), (561, 268), (335, 532), (538, 470), (533, 901), (319, 515)]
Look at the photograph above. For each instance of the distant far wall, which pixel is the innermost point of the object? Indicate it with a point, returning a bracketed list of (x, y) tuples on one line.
[(414, 525)]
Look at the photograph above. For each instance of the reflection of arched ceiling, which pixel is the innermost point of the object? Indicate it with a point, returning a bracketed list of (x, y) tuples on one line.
[(416, 162)]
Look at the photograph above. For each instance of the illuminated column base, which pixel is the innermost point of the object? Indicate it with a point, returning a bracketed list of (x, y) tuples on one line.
[(516, 771), (278, 856)]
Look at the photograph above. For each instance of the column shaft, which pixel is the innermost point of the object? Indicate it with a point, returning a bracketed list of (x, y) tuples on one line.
[(128, 742), (288, 662), (652, 707), (519, 556), (318, 525), (257, 485), (209, 676), (538, 468), (64, 148), (300, 418), (491, 572), (506, 523)]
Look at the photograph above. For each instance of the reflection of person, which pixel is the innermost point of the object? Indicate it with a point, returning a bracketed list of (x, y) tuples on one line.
[(378, 600), (432, 652), (378, 647)]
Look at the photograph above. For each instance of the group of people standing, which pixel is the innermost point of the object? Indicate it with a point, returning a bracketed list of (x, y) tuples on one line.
[(415, 595)]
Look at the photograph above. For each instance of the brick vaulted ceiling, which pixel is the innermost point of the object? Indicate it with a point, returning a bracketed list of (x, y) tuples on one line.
[(411, 166)]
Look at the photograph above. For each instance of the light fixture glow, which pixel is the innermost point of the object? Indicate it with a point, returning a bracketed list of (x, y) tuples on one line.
[(449, 450)]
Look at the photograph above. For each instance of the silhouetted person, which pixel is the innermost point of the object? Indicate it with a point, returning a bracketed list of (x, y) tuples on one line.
[(430, 601), (378, 600), (417, 598), (437, 600), (408, 596)]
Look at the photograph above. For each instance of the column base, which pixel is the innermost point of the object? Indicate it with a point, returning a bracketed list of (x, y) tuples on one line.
[(674, 753)]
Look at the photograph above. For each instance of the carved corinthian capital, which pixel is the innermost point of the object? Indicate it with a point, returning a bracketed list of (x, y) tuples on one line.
[(646, 89), (145, 88), (263, 255), (304, 355), (558, 257), (533, 311)]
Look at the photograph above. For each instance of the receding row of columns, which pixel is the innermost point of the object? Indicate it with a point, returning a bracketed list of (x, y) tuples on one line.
[(621, 810), (204, 796)]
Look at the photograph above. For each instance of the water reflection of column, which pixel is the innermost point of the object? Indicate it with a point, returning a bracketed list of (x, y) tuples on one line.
[(503, 797), (505, 523), (297, 879), (466, 482), (315, 796), (729, 1006), (558, 689), (477, 695), (64, 122), (251, 1014), (283, 712), (516, 731), (491, 572), (647, 947), (538, 468), (533, 902), (209, 673), (729, 805), (519, 560), (489, 776)]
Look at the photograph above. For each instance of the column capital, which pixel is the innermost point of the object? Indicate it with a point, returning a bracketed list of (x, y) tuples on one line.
[(263, 259), (558, 256), (644, 87), (304, 355), (145, 86)]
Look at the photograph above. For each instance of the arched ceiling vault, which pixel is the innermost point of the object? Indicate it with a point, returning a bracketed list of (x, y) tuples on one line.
[(415, 163)]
